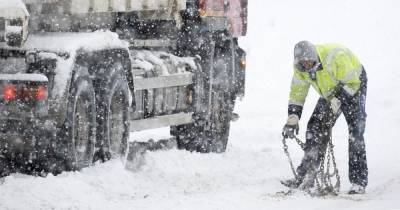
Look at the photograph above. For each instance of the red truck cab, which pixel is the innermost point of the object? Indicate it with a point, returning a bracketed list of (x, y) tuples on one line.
[(234, 10)]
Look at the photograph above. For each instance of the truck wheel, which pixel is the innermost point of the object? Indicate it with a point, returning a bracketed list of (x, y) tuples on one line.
[(210, 132), (113, 113), (4, 167), (79, 128), (188, 137), (207, 135), (217, 130), (222, 103)]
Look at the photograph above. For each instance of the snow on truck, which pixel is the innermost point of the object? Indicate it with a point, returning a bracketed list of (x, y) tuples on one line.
[(77, 76)]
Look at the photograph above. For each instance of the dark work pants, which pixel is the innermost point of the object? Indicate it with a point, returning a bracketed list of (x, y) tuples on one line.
[(318, 134)]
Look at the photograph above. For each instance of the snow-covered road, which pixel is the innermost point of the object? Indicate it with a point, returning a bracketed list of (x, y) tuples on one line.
[(247, 175)]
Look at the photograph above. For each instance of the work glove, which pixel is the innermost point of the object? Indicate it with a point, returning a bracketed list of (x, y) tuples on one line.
[(335, 105), (291, 127)]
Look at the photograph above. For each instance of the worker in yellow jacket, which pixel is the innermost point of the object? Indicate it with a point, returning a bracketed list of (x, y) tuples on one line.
[(340, 79)]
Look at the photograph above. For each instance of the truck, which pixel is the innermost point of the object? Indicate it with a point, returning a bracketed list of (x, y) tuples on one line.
[(78, 76)]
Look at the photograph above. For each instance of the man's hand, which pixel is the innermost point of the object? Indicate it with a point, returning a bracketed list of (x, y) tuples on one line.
[(335, 105), (291, 127)]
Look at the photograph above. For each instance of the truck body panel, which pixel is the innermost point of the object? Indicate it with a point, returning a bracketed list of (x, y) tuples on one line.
[(89, 6), (234, 10)]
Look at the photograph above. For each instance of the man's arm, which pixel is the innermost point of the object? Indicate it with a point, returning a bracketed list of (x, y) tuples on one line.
[(298, 93)]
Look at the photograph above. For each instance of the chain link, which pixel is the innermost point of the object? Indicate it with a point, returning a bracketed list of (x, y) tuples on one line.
[(322, 178), (300, 143), (336, 170), (286, 149)]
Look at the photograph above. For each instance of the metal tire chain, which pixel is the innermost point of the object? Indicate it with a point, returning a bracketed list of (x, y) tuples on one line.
[(336, 170), (286, 150), (327, 175), (325, 178)]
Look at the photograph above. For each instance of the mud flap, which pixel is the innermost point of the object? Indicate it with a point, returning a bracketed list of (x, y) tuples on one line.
[(137, 151)]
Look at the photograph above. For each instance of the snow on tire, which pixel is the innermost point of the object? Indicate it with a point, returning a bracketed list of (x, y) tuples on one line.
[(210, 132), (113, 112), (79, 128)]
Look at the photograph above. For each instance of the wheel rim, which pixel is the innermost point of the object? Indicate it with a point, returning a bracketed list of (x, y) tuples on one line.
[(118, 110), (81, 132)]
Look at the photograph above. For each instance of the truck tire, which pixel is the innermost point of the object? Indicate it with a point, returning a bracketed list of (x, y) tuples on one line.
[(222, 97), (79, 129), (113, 113), (207, 135), (217, 132), (210, 133), (4, 167)]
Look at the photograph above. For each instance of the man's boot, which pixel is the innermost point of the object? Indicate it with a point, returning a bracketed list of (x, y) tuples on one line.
[(356, 189), (292, 183)]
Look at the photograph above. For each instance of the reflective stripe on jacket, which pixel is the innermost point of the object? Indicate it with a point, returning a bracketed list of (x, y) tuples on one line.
[(339, 65)]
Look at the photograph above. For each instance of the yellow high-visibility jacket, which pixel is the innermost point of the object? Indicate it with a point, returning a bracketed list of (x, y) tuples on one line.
[(339, 65)]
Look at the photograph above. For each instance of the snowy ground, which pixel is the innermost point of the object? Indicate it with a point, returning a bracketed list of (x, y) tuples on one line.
[(247, 175)]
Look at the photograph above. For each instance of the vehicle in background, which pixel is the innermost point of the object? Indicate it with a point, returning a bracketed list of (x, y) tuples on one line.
[(77, 76)]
